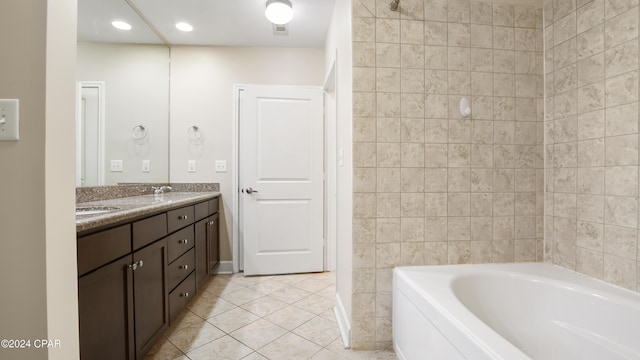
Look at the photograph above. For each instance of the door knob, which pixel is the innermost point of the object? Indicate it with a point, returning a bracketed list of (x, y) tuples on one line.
[(251, 191)]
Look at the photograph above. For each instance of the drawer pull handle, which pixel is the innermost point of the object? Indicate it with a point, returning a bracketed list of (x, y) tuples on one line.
[(184, 294), (182, 217), (183, 241), (183, 267)]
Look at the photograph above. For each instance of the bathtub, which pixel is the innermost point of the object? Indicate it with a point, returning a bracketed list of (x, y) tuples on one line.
[(511, 312)]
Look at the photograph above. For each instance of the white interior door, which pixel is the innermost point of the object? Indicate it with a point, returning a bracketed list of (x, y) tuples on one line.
[(281, 181)]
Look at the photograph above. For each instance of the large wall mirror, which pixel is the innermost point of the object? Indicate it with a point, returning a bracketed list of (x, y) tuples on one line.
[(122, 117)]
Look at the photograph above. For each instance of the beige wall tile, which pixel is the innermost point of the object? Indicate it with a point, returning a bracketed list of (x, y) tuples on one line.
[(458, 11), (620, 29), (435, 10), (388, 230)]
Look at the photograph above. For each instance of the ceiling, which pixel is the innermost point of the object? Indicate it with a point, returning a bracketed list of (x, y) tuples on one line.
[(215, 22)]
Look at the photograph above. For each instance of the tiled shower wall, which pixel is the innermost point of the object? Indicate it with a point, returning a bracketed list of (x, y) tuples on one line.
[(591, 123), (432, 187)]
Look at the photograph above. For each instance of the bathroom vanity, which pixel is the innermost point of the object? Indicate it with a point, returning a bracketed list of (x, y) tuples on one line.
[(140, 260)]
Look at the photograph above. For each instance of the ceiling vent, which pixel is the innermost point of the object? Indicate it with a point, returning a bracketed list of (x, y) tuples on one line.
[(280, 29)]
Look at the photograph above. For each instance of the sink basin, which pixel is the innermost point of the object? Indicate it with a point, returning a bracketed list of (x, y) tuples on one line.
[(93, 210)]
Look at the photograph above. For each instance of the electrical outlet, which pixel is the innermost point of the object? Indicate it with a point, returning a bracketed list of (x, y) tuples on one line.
[(146, 166), (191, 166), (116, 166), (221, 165)]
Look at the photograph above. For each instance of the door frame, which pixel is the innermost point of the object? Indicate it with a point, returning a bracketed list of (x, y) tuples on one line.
[(237, 238), (101, 128), (331, 167)]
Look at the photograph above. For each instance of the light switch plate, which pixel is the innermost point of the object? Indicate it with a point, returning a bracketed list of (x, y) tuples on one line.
[(146, 166), (191, 166), (9, 119), (221, 165)]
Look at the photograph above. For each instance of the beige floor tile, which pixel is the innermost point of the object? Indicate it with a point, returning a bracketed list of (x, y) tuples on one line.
[(183, 357), (318, 330), (221, 289), (223, 348), (329, 314), (250, 280), (290, 317), (219, 280), (329, 292), (264, 306), (312, 284), (194, 335), (186, 318), (268, 286), (242, 296), (233, 319), (254, 356), (290, 346), (315, 304), (258, 334), (290, 294), (163, 350), (207, 305), (326, 354), (292, 279)]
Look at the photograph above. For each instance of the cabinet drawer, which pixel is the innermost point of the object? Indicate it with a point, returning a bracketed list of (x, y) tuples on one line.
[(201, 210), (179, 218), (214, 204), (179, 243), (149, 230), (183, 266), (101, 248), (179, 297)]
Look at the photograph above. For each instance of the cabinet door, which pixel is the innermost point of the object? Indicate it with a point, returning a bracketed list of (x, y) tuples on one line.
[(201, 234), (105, 310), (214, 243), (151, 295)]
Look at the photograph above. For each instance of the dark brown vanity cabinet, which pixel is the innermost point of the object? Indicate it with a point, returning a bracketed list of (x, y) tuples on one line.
[(207, 240), (134, 279)]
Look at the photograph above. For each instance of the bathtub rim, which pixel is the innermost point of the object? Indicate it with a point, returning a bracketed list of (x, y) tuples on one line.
[(463, 329)]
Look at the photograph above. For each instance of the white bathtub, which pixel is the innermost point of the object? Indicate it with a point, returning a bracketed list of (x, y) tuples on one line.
[(511, 312)]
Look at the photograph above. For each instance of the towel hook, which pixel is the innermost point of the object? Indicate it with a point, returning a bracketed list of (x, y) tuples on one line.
[(139, 134), (194, 132)]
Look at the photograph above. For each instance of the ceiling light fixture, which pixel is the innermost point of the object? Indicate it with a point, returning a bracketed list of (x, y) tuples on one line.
[(183, 26), (121, 25), (279, 12)]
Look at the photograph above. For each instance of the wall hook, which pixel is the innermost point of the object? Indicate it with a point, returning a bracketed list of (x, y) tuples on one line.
[(194, 132), (139, 132)]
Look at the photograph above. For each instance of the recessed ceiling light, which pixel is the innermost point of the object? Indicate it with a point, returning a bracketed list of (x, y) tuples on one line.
[(182, 26), (121, 25)]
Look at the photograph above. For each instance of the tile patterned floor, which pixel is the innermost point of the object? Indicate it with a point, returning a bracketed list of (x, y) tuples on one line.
[(267, 317)]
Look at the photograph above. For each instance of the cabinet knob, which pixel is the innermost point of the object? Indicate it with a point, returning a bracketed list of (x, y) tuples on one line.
[(183, 267), (182, 217), (183, 241), (133, 266), (184, 294), (140, 263)]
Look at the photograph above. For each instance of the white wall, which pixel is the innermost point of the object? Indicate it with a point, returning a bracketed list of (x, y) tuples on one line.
[(37, 236), (60, 200), (137, 92), (202, 80), (339, 42)]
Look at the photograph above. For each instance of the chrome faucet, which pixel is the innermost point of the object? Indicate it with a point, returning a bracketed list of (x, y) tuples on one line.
[(159, 190)]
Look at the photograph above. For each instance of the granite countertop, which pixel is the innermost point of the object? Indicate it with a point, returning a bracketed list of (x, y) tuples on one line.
[(133, 207)]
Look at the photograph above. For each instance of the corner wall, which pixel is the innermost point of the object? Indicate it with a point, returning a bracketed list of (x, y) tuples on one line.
[(591, 138), (429, 186)]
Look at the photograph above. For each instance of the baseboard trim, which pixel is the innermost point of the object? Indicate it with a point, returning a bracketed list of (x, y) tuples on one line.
[(225, 267), (343, 322)]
